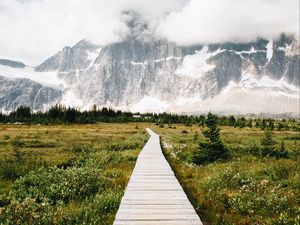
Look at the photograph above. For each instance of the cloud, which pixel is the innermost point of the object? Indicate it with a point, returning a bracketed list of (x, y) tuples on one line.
[(33, 30), (203, 21)]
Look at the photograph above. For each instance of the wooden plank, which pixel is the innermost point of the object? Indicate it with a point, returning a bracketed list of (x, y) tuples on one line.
[(141, 222), (153, 194)]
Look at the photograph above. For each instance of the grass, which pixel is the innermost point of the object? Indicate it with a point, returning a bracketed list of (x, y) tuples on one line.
[(76, 174), (65, 174), (246, 189)]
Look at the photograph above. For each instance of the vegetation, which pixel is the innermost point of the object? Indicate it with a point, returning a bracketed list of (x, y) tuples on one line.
[(249, 187), (60, 115), (64, 167), (65, 174), (213, 148)]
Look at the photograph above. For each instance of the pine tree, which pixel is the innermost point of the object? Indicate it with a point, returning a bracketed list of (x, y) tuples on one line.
[(213, 148), (249, 124), (1, 117), (267, 143), (22, 112), (271, 124), (232, 121), (282, 152), (70, 115)]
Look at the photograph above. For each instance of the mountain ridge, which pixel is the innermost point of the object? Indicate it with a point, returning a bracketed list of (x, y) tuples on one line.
[(177, 78)]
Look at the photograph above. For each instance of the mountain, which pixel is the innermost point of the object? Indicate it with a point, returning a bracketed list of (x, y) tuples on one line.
[(16, 92), (21, 85), (14, 64), (143, 73)]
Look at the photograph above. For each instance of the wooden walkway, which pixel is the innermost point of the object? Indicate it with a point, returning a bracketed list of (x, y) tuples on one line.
[(153, 195)]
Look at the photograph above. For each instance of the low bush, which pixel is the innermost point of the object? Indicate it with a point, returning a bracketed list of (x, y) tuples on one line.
[(57, 184), (137, 141)]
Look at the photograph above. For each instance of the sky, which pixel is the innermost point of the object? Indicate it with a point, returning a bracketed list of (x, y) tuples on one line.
[(33, 30)]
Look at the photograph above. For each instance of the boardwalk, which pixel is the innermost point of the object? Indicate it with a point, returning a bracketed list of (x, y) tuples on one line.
[(153, 195)]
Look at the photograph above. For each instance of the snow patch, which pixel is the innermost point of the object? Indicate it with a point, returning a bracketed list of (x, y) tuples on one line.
[(92, 55), (250, 81), (270, 50), (138, 63), (49, 79), (69, 99), (149, 104), (167, 59), (252, 94), (196, 65)]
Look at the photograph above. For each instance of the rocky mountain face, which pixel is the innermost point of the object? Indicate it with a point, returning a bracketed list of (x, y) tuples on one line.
[(123, 74), (14, 64), (17, 92), (148, 74)]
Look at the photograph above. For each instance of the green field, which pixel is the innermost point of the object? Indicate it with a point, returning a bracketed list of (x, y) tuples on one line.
[(246, 188), (76, 174), (65, 174)]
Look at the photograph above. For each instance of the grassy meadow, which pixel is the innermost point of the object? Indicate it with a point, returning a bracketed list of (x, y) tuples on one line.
[(65, 174), (76, 174), (245, 189)]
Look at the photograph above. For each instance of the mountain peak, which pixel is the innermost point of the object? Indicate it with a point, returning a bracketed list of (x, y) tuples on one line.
[(12, 63), (138, 27)]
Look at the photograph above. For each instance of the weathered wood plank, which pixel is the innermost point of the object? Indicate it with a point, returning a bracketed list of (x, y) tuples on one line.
[(153, 194)]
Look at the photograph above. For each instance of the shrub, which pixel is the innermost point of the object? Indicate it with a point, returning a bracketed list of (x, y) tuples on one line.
[(268, 147), (58, 184), (28, 211), (82, 149), (135, 142)]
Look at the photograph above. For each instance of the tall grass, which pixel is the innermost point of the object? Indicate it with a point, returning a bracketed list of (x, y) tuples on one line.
[(245, 189), (84, 186)]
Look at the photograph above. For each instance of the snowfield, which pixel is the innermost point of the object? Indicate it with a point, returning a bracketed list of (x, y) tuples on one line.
[(48, 79)]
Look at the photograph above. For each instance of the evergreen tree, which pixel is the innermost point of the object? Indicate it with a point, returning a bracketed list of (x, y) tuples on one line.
[(249, 124), (232, 121), (280, 126), (2, 117), (282, 152), (257, 123), (271, 124), (268, 144), (70, 115), (263, 124), (56, 112), (213, 148), (22, 112)]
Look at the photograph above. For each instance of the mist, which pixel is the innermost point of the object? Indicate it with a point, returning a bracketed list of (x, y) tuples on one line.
[(33, 30)]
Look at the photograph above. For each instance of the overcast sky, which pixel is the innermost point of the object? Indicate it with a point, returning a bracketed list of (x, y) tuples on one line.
[(33, 30)]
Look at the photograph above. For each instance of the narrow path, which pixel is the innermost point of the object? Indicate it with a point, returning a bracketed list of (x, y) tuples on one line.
[(153, 195)]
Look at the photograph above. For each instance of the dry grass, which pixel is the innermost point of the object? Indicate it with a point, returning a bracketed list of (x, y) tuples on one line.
[(246, 189), (110, 149)]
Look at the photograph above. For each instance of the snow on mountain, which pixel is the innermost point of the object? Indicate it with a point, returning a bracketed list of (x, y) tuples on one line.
[(196, 65), (151, 75), (270, 50), (149, 104), (249, 96), (69, 99), (48, 79)]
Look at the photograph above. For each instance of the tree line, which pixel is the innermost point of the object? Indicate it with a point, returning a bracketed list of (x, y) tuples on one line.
[(60, 114)]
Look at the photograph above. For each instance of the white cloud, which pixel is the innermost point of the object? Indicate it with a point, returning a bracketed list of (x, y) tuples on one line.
[(203, 21), (32, 30)]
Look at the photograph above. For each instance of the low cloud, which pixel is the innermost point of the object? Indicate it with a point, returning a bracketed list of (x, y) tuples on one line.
[(203, 21), (33, 30)]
